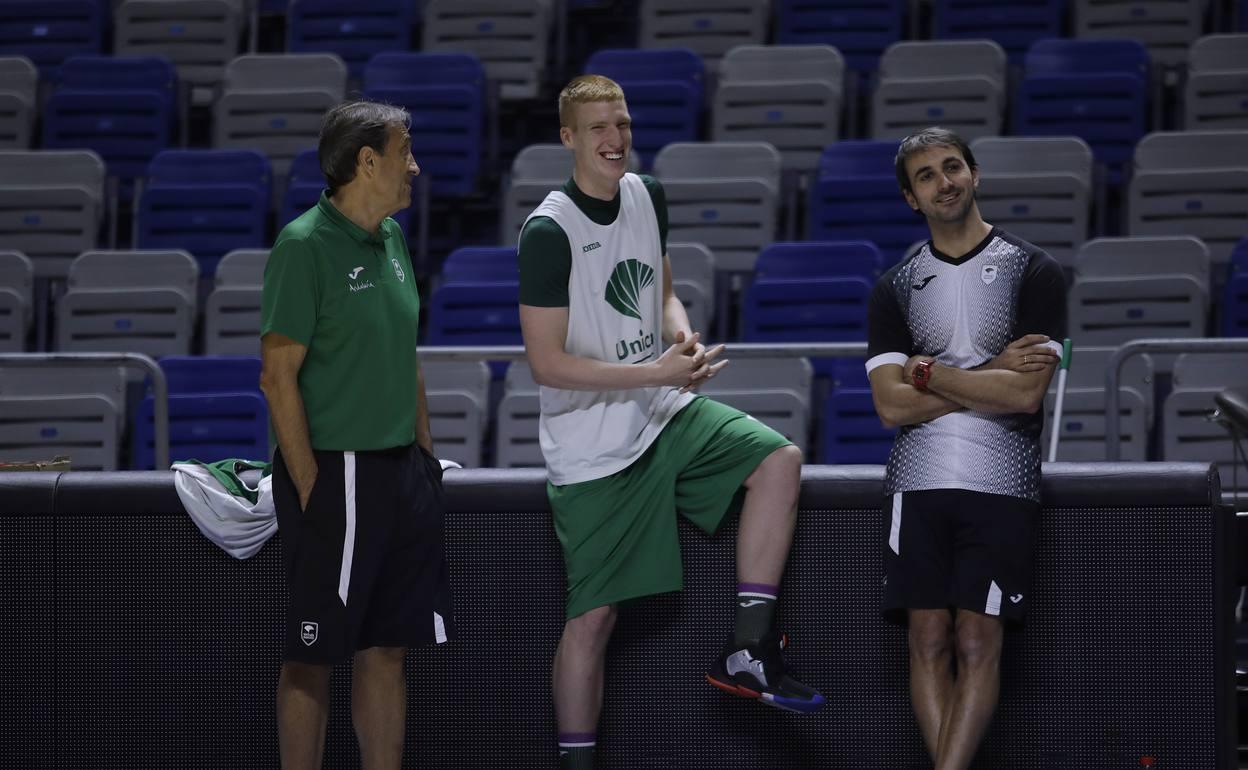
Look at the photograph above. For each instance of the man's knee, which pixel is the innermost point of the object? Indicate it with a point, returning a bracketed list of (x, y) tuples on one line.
[(304, 676), (592, 628), (931, 636), (781, 467), (381, 657), (979, 639)]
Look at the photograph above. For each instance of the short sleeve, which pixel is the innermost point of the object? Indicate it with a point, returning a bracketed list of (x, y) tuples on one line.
[(888, 335), (290, 294), (658, 197), (1042, 299), (545, 264)]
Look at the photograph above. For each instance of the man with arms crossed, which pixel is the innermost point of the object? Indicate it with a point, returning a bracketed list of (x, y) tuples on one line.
[(963, 478), (357, 489), (626, 442)]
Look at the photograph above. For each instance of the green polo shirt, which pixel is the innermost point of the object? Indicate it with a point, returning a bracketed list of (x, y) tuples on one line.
[(351, 298)]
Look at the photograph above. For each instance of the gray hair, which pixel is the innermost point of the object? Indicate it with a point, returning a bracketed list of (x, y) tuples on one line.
[(928, 137), (350, 127)]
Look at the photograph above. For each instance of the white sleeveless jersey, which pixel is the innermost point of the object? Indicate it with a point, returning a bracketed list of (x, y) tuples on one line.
[(615, 314)]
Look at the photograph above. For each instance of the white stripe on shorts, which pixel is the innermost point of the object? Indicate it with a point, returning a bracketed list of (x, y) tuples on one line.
[(439, 629), (993, 605), (894, 532), (348, 540)]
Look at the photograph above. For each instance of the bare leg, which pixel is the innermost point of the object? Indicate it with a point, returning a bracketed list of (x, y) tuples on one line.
[(379, 706), (979, 640), (768, 516), (931, 672), (302, 709), (578, 670)]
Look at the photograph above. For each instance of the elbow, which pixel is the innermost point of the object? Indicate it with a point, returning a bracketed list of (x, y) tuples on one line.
[(270, 384), (888, 417), (1033, 402), (542, 373)]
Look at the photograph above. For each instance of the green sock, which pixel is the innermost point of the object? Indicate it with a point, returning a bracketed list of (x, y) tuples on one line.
[(756, 610), (576, 751)]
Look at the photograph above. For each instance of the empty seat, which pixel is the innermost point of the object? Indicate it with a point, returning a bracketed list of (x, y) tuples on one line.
[(664, 92), (509, 37), (199, 36), (1192, 183), (710, 28), (445, 95), (216, 412), (232, 311), (1038, 188), (48, 33), (1235, 299), (1187, 433), (481, 263), (517, 442), (724, 195), (123, 108), (458, 396), (485, 312), (851, 429), (208, 202), (1144, 256), (855, 196), (776, 392), (1083, 423), (1215, 96), (1012, 24), (1097, 90), (957, 84), (693, 282), (1166, 27), (19, 85), (535, 171), (17, 279), (860, 31), (1111, 311), (275, 103), (59, 410), (354, 30), (806, 309), (788, 96), (304, 186), (51, 205), (130, 301), (820, 259)]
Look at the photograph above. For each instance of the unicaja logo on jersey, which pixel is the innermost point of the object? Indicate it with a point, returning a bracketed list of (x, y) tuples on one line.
[(629, 279)]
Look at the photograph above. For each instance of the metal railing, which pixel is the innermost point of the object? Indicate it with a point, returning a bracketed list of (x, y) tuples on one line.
[(1136, 347), (160, 389)]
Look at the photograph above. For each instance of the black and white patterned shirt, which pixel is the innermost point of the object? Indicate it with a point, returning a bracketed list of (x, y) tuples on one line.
[(963, 312)]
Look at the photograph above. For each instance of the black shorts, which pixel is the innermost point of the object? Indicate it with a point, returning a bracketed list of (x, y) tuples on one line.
[(955, 549), (364, 563)]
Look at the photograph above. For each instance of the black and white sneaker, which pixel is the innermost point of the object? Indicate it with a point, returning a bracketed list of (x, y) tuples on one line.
[(757, 671)]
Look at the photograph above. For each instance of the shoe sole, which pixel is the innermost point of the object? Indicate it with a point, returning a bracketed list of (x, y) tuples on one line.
[(768, 699)]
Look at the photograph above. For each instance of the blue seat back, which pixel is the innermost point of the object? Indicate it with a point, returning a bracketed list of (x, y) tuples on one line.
[(211, 374), (1013, 24), (665, 93), (303, 187), (481, 263), (204, 426), (353, 29), (122, 108), (860, 31), (475, 313), (852, 433), (855, 196), (1235, 296), (208, 202), (445, 95), (50, 31), (820, 259), (806, 310)]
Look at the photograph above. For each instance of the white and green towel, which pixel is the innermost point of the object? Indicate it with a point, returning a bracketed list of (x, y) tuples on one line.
[(231, 514)]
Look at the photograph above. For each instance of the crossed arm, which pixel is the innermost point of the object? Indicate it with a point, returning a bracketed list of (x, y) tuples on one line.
[(1012, 382)]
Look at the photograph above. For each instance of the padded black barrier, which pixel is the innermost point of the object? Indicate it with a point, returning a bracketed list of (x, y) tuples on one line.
[(132, 642)]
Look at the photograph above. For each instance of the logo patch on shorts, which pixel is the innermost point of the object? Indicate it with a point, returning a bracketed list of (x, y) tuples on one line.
[(308, 632)]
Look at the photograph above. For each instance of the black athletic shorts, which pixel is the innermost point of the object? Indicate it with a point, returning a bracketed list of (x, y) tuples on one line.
[(364, 563), (955, 549)]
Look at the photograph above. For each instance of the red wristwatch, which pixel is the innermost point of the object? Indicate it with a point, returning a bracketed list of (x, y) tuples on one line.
[(921, 374)]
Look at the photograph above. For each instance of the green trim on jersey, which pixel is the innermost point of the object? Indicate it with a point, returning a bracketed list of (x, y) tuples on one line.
[(350, 296), (546, 255)]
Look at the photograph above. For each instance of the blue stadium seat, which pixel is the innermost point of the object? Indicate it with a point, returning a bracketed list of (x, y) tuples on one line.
[(855, 196), (208, 202), (665, 92), (122, 108), (475, 313), (216, 411), (1013, 24), (852, 432), (860, 31), (806, 310), (1097, 90), (50, 31), (445, 94), (820, 259), (1235, 301), (481, 263), (303, 188), (353, 29)]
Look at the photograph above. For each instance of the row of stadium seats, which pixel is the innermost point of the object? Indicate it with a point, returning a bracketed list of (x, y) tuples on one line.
[(216, 411), (149, 301)]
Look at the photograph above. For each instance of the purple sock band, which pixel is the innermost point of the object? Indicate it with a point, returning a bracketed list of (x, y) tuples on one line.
[(758, 588), (578, 737)]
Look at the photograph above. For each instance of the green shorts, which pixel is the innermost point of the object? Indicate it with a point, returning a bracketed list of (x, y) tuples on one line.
[(619, 532)]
